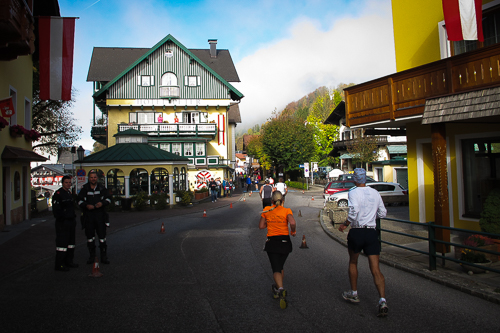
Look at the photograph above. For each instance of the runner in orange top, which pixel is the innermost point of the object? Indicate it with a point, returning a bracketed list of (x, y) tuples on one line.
[(276, 219)]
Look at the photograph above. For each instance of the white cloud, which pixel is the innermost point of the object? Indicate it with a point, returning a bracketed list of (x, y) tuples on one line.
[(353, 50)]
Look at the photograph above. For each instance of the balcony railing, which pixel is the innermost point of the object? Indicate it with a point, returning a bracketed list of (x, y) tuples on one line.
[(17, 25), (172, 129), (403, 94), (99, 133)]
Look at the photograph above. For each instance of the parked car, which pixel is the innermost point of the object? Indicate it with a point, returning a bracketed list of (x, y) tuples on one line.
[(337, 186), (391, 193), (349, 176)]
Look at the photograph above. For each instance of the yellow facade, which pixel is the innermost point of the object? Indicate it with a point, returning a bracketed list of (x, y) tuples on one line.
[(417, 43), (16, 76)]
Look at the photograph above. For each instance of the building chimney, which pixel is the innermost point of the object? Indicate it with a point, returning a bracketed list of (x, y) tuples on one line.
[(213, 48)]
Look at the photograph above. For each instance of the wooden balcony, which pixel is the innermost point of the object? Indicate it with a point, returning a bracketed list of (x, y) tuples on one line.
[(402, 95), (177, 129), (17, 35)]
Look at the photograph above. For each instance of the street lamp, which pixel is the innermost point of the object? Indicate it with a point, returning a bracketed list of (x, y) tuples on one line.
[(81, 154)]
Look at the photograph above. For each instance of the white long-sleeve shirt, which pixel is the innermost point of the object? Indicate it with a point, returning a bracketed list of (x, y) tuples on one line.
[(365, 206)]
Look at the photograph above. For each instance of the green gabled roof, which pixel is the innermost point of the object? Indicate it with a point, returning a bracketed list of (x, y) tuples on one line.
[(131, 132), (133, 152), (153, 49)]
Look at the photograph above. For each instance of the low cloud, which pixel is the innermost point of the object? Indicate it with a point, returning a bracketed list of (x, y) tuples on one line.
[(353, 50)]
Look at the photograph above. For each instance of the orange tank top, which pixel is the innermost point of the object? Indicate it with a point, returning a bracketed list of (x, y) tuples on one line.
[(277, 223)]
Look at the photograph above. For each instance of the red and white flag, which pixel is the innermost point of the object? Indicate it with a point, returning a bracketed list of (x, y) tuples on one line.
[(56, 45), (463, 19)]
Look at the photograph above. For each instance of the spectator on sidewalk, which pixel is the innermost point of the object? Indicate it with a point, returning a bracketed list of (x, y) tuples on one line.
[(249, 184), (365, 206), (213, 189)]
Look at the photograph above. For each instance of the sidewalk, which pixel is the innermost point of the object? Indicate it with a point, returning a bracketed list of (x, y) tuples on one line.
[(33, 241), (486, 285)]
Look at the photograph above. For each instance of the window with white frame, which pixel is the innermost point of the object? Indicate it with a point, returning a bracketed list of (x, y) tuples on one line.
[(200, 149), (145, 117), (191, 117), (176, 148), (146, 80), (165, 146), (192, 81), (188, 149), (169, 86)]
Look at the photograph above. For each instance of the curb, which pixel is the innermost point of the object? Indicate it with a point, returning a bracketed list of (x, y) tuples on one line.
[(440, 277)]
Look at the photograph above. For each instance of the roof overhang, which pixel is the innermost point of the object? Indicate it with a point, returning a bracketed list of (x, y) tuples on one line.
[(22, 155), (473, 106)]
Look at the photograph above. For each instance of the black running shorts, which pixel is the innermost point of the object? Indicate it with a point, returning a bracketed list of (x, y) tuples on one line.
[(365, 239)]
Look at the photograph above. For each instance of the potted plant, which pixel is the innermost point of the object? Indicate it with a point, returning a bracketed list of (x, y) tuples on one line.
[(31, 135), (3, 123), (490, 216), (16, 131), (476, 257)]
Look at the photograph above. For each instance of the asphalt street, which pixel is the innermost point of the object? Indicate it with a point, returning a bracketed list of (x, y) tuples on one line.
[(209, 274)]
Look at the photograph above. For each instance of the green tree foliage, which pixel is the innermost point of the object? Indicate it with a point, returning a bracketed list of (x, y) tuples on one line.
[(53, 120), (97, 147), (255, 149), (288, 141), (363, 149)]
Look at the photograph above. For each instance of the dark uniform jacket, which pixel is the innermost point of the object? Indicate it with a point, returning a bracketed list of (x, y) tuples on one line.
[(62, 205), (87, 196)]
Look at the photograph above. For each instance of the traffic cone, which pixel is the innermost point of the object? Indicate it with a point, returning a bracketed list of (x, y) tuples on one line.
[(205, 213), (95, 269), (302, 191), (304, 244), (162, 229), (312, 198), (300, 214), (244, 198), (231, 205), (250, 194)]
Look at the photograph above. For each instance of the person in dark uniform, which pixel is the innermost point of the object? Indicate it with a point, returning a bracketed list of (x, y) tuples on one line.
[(64, 212), (92, 199)]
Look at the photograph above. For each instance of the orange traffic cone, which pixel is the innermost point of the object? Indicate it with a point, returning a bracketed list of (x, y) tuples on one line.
[(205, 213), (231, 205), (304, 244), (95, 269), (300, 214), (312, 198), (250, 194), (244, 198), (302, 191), (162, 229)]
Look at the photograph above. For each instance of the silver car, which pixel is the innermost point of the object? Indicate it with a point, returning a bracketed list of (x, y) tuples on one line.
[(391, 193)]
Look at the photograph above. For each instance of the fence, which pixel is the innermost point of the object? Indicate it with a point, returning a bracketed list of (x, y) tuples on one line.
[(431, 238)]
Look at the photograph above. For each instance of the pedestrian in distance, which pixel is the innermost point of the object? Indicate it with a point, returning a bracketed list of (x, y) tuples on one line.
[(213, 189), (365, 206), (249, 184), (281, 186), (280, 225), (63, 208), (266, 193), (92, 199)]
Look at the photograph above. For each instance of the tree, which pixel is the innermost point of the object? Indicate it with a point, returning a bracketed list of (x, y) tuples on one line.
[(288, 142), (255, 149), (363, 149), (97, 147), (53, 120)]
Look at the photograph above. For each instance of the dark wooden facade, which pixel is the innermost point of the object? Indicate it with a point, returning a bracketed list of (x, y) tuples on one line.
[(403, 94)]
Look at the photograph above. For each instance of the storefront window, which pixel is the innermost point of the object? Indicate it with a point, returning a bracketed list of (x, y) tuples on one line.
[(138, 181), (481, 172), (159, 180), (116, 182)]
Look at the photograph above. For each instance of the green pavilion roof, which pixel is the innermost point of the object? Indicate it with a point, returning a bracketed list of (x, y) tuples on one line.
[(131, 132), (133, 152)]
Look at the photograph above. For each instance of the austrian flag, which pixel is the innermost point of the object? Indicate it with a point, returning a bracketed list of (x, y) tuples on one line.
[(56, 44), (463, 19)]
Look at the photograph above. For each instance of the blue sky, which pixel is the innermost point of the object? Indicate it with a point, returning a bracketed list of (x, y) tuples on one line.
[(282, 50)]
